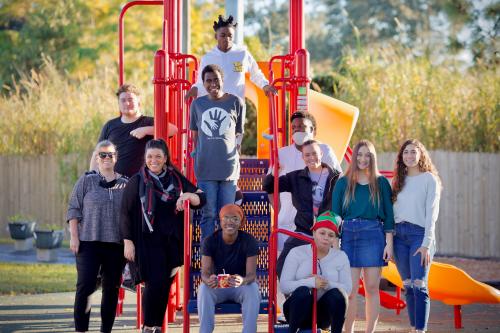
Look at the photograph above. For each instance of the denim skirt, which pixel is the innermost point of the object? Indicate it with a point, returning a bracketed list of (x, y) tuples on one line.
[(363, 241)]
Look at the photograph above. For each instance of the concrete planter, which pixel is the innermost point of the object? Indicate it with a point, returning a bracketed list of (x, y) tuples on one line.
[(22, 234), (47, 243)]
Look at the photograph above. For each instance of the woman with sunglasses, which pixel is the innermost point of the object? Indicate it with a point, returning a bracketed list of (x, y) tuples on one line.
[(152, 225), (95, 237)]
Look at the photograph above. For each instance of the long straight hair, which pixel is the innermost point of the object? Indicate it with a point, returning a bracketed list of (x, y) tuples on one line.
[(353, 171), (401, 170)]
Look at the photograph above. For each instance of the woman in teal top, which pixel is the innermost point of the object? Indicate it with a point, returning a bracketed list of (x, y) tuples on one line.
[(363, 199)]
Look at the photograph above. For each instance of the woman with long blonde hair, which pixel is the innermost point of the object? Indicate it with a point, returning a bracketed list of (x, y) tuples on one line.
[(416, 192), (363, 199)]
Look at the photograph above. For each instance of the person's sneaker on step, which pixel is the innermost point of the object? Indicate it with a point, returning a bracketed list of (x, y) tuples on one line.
[(155, 329)]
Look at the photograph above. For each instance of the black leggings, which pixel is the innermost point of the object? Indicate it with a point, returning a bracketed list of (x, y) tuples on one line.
[(92, 257), (330, 308), (160, 251)]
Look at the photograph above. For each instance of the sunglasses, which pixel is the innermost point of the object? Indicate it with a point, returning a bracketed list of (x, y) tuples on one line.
[(107, 154)]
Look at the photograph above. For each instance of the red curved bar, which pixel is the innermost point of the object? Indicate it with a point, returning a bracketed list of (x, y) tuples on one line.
[(272, 275)]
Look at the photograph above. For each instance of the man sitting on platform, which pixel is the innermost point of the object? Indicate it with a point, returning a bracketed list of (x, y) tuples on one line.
[(228, 271)]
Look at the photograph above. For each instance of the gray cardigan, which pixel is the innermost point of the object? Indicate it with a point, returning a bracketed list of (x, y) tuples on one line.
[(96, 208), (297, 270)]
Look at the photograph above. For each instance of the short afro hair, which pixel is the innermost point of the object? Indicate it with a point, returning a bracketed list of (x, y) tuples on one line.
[(304, 115), (223, 22)]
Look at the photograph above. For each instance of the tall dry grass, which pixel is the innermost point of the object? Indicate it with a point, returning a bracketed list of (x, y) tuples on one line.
[(48, 113), (400, 96)]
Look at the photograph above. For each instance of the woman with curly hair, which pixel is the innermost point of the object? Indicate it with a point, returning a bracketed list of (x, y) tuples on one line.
[(416, 193), (363, 199)]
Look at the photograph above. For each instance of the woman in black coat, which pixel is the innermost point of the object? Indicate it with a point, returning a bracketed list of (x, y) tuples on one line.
[(152, 227)]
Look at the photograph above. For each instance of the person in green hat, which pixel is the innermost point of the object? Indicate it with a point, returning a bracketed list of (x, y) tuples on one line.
[(332, 281)]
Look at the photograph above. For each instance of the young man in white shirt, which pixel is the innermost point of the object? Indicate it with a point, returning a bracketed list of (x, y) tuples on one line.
[(235, 61)]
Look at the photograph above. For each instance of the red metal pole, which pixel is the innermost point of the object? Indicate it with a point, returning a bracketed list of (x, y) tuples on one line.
[(458, 316), (121, 33), (160, 95), (187, 267)]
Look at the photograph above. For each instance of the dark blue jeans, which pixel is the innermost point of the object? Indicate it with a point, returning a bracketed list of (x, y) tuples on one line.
[(407, 240), (218, 193)]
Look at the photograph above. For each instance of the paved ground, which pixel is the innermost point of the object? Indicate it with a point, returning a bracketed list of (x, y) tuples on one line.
[(54, 313)]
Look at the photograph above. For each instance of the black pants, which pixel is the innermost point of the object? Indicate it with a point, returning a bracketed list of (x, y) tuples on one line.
[(331, 309), (92, 257), (159, 250), (290, 243)]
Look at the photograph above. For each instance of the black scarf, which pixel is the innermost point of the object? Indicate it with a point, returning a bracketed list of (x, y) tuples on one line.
[(152, 188)]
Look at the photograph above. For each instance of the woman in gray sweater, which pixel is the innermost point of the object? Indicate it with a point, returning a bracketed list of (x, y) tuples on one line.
[(332, 281), (93, 214), (416, 192)]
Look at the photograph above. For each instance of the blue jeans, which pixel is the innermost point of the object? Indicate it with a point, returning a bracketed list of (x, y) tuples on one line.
[(219, 193), (247, 295), (363, 241), (407, 240)]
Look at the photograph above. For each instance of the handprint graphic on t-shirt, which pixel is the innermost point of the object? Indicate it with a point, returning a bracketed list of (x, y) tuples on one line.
[(215, 122)]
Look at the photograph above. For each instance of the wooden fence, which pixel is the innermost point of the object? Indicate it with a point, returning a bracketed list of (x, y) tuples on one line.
[(469, 217)]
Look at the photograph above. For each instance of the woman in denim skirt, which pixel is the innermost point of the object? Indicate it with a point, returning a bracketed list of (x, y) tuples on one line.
[(416, 194), (363, 199)]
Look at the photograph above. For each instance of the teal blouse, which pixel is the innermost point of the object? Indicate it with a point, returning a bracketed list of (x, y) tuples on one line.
[(361, 206)]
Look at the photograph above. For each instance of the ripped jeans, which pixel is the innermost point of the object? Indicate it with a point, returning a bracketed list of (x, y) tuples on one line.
[(407, 240)]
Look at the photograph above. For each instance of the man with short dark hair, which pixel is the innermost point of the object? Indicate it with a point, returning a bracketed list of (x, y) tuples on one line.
[(129, 132), (217, 125)]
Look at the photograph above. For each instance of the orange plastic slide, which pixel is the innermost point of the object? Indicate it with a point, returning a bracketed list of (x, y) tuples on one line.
[(450, 285), (335, 119)]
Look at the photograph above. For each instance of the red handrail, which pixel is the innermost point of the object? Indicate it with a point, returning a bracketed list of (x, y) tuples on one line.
[(187, 267), (273, 241)]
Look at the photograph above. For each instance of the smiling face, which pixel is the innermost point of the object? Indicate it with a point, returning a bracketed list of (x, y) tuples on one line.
[(363, 159), (324, 238), (129, 104), (106, 158), (155, 160), (302, 125), (212, 82), (230, 224), (224, 37), (411, 156), (312, 155)]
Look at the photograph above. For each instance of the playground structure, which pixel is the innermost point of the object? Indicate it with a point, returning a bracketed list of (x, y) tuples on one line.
[(174, 73)]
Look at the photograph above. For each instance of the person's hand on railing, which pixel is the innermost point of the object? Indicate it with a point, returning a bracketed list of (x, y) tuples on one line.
[(270, 90), (192, 93)]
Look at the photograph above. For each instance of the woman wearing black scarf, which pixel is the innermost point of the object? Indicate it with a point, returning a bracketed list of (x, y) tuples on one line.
[(152, 227)]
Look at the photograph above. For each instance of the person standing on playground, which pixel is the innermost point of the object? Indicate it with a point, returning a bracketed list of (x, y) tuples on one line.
[(332, 281), (235, 61), (416, 193), (152, 225), (311, 190), (95, 237), (363, 199), (129, 132), (228, 271), (216, 122), (303, 127)]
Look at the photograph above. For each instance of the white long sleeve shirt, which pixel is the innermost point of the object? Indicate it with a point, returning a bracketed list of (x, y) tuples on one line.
[(234, 63), (418, 203), (297, 270)]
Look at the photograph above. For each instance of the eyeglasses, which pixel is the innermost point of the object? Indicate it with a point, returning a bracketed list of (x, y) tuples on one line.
[(233, 219), (106, 154)]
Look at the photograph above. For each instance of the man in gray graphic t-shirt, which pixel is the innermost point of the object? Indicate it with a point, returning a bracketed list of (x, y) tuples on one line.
[(217, 123)]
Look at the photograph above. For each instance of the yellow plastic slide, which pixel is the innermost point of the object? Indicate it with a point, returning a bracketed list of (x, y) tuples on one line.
[(335, 119), (450, 285)]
